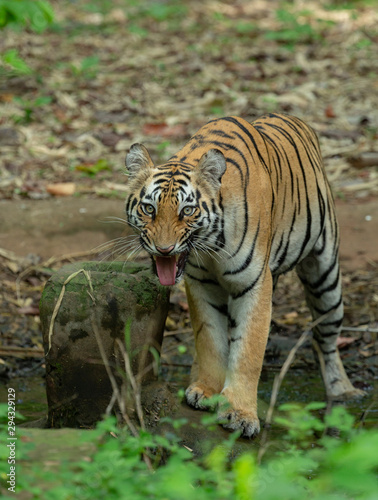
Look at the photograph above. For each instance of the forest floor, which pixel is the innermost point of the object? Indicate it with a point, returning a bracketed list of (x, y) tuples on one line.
[(108, 74)]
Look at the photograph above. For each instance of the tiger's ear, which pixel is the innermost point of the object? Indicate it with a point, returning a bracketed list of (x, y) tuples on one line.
[(212, 166), (138, 159)]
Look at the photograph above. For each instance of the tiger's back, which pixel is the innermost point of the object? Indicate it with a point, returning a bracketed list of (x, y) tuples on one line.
[(275, 169), (239, 204)]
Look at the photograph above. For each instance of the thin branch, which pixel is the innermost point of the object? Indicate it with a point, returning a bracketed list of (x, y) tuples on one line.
[(362, 329), (60, 299), (279, 378)]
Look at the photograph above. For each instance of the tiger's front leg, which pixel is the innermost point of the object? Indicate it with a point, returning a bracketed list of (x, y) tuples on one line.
[(208, 314), (249, 334)]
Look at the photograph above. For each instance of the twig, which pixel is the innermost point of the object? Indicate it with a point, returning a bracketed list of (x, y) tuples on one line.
[(117, 395), (7, 254), (372, 38), (21, 352), (279, 378), (359, 329), (364, 414), (134, 384), (183, 365), (24, 273), (68, 256), (180, 331), (60, 298)]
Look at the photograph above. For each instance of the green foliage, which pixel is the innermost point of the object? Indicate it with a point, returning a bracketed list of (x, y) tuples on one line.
[(217, 110), (17, 65), (35, 14), (29, 107), (143, 15), (334, 468), (292, 30), (87, 68), (92, 169), (246, 28), (17, 14), (163, 11), (300, 423), (348, 4), (162, 149)]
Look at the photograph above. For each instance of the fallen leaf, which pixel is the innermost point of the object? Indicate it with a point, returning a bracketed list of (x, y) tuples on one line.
[(6, 97), (61, 188), (164, 130), (170, 324), (290, 315), (342, 342), (29, 310), (365, 352), (329, 112)]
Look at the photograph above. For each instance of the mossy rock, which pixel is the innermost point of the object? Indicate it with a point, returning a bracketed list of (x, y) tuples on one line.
[(122, 302)]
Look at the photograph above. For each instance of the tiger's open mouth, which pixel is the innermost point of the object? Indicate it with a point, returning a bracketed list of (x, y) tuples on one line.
[(170, 269)]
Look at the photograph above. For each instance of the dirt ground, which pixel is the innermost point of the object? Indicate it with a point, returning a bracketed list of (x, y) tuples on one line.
[(61, 226)]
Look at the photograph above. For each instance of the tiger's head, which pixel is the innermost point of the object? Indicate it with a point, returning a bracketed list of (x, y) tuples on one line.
[(175, 207)]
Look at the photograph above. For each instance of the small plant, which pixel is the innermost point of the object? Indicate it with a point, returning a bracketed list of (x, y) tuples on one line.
[(17, 14), (338, 468), (292, 31), (301, 423), (144, 14), (245, 28), (162, 149), (29, 107), (34, 14), (163, 11), (16, 65), (92, 169), (87, 68)]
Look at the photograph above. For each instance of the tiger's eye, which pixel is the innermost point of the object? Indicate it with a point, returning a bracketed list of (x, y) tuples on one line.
[(148, 209), (188, 210)]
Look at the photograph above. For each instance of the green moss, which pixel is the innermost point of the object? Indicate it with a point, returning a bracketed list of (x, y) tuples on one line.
[(147, 291)]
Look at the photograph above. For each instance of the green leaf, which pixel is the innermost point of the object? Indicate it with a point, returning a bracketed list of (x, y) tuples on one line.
[(12, 58)]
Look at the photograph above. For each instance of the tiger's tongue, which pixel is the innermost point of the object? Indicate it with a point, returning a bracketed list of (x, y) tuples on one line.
[(166, 270)]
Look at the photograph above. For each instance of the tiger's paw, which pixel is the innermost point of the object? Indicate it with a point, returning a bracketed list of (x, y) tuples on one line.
[(239, 420), (344, 395), (197, 395)]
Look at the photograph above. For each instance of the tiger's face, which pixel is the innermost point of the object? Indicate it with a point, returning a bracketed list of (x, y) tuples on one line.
[(174, 207)]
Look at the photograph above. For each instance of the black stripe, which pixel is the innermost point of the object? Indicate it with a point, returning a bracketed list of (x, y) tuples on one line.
[(323, 276), (249, 287), (319, 251), (291, 140), (205, 281), (222, 133), (325, 311), (336, 323), (317, 294), (248, 260), (250, 137), (282, 257), (223, 309)]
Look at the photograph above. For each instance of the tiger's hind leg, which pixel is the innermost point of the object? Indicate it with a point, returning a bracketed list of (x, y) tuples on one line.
[(320, 275)]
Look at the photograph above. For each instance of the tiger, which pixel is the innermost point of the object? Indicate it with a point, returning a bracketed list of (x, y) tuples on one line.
[(238, 205)]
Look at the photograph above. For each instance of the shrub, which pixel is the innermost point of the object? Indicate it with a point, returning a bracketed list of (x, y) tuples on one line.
[(36, 14), (331, 468)]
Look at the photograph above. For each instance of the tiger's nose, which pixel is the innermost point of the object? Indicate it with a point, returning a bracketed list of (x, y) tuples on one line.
[(166, 250)]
